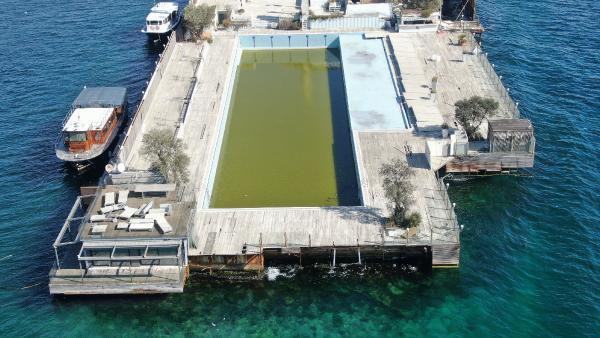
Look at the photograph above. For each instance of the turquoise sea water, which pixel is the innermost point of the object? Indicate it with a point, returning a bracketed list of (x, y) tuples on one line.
[(530, 262)]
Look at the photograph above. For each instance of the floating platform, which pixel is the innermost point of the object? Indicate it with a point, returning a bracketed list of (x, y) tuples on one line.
[(190, 92)]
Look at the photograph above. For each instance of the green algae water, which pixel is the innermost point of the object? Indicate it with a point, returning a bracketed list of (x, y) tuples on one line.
[(530, 263), (287, 137)]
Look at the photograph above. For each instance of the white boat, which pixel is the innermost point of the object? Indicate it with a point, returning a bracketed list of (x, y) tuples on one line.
[(162, 19)]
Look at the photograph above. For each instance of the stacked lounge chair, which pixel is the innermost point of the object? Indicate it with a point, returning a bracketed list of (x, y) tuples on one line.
[(143, 218)]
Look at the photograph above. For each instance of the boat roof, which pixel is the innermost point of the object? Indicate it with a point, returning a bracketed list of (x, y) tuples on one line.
[(84, 119), (156, 16), (166, 7), (101, 97)]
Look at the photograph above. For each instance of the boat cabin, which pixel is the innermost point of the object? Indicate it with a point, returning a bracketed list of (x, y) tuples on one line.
[(162, 18), (92, 124), (88, 126)]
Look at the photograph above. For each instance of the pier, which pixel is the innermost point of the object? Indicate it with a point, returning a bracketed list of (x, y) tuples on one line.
[(98, 252)]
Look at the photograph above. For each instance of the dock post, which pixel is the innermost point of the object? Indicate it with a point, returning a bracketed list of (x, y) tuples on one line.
[(334, 252), (358, 247)]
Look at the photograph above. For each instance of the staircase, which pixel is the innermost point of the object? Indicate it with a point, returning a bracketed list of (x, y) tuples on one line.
[(445, 255)]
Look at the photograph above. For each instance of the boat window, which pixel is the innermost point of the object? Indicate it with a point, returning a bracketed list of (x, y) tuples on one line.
[(76, 137)]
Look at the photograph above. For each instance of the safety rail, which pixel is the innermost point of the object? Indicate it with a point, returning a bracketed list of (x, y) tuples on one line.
[(135, 127), (489, 68)]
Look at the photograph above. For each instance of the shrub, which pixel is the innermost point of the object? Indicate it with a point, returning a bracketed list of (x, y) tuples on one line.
[(288, 24), (471, 112), (166, 155), (197, 18), (398, 188), (413, 221)]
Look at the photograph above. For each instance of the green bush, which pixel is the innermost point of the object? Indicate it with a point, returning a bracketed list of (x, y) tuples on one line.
[(471, 112), (166, 155), (398, 188), (413, 221), (197, 18)]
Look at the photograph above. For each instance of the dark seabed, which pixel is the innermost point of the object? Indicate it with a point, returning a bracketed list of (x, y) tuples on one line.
[(530, 260)]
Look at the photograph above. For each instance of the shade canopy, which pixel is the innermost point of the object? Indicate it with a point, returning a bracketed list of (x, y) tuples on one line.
[(105, 97)]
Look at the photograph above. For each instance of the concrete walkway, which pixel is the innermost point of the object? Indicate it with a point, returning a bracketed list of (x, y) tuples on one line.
[(167, 100)]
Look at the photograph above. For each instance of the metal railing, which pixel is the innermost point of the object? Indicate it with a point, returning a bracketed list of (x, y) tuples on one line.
[(496, 80), (124, 148)]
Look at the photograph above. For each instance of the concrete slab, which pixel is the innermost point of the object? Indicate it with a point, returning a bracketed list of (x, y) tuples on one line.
[(373, 101)]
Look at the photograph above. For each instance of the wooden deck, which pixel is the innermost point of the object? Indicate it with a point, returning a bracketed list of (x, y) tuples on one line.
[(460, 76), (228, 231), (124, 280), (490, 162)]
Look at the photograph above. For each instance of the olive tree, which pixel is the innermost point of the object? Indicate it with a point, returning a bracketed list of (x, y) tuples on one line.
[(166, 155), (471, 112), (197, 18), (398, 189)]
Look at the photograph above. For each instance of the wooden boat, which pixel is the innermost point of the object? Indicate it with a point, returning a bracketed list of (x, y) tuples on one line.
[(92, 125)]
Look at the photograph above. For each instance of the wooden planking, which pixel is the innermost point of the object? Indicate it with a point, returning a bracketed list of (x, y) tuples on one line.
[(492, 162), (339, 226), (430, 202), (445, 255)]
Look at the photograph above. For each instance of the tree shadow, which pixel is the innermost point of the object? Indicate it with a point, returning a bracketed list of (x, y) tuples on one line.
[(364, 215)]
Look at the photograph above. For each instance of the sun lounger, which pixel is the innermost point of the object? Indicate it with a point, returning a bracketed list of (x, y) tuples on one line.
[(123, 194), (141, 226), (157, 211), (122, 226), (98, 229), (109, 199), (141, 220), (111, 208), (127, 213), (163, 225), (144, 208), (99, 218)]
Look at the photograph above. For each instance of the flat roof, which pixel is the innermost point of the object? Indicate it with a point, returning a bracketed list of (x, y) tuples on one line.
[(156, 16), (510, 125), (165, 7), (83, 119), (91, 97), (377, 9), (373, 102)]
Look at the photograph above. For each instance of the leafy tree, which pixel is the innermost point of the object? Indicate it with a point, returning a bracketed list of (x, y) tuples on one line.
[(398, 189), (471, 112), (166, 155), (197, 18)]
